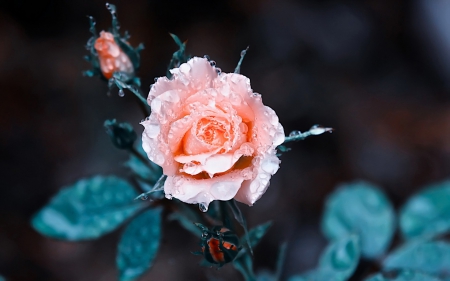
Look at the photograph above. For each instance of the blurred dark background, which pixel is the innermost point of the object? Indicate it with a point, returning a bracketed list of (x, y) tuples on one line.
[(376, 71)]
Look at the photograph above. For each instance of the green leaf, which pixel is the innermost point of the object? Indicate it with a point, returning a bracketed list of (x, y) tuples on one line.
[(88, 209), (360, 208), (337, 263), (431, 257), (139, 244), (427, 214), (405, 275)]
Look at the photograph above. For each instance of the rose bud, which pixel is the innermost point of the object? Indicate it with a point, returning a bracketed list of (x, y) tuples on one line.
[(122, 134), (111, 57)]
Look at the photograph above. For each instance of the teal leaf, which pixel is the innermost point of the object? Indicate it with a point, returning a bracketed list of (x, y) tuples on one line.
[(139, 244), (341, 257), (256, 234), (185, 223), (280, 261), (187, 217), (431, 257), (88, 209), (244, 264), (427, 213), (178, 57), (360, 208), (141, 167), (405, 275), (337, 263), (266, 276), (122, 135), (311, 276)]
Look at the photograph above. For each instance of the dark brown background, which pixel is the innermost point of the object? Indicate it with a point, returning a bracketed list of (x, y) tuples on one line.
[(376, 71)]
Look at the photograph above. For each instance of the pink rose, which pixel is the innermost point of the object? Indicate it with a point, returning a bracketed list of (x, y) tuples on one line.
[(212, 135)]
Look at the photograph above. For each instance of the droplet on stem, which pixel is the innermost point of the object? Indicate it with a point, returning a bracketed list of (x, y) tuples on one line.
[(295, 133)]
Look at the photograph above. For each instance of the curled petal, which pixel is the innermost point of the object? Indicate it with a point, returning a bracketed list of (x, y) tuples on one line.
[(252, 190)]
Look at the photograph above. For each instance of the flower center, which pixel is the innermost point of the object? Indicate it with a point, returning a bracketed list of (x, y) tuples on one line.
[(213, 130)]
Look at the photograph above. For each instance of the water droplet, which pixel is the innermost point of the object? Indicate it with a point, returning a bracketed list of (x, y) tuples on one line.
[(212, 63), (169, 196), (121, 93), (295, 133), (207, 57), (218, 70), (204, 235), (256, 95), (185, 68), (156, 79), (203, 207), (318, 129)]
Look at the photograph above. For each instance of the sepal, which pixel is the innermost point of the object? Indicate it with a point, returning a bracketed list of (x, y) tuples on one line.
[(122, 135)]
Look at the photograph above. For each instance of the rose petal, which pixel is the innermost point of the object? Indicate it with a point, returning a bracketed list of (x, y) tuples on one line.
[(177, 132), (197, 74), (252, 190), (218, 163), (203, 191)]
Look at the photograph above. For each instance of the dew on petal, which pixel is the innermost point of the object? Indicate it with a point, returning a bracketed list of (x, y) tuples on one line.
[(244, 128), (152, 130), (270, 165), (185, 68)]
